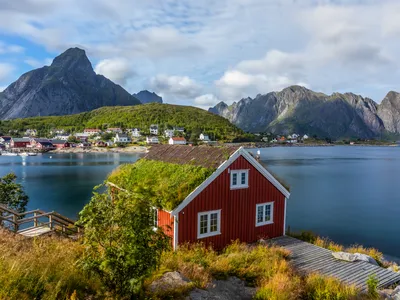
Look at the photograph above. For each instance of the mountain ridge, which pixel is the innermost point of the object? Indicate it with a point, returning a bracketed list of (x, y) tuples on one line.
[(69, 85), (298, 109), (148, 97)]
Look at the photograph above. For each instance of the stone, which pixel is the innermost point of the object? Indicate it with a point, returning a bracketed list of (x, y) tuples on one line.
[(169, 281), (354, 257)]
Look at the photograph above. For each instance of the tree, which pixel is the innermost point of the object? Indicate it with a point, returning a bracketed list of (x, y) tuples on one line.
[(12, 194), (73, 139), (121, 245)]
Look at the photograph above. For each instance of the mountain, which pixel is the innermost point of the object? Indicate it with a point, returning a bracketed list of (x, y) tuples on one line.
[(68, 86), (148, 97), (298, 109), (389, 112), (193, 119)]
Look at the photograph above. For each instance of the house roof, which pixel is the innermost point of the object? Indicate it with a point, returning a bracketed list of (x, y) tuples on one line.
[(205, 156), (178, 138), (58, 142), (122, 135), (21, 140)]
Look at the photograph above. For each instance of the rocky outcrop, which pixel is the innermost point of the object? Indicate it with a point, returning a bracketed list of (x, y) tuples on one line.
[(69, 85), (148, 97), (389, 112), (298, 109)]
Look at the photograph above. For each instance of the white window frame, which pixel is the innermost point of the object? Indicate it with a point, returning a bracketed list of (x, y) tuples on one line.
[(239, 184), (155, 221), (208, 213), (271, 221)]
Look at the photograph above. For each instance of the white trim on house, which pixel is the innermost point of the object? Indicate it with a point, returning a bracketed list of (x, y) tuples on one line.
[(175, 243), (221, 169), (208, 214), (265, 222), (239, 184), (284, 219)]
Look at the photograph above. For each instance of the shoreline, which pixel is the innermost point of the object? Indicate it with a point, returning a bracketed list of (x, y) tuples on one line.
[(131, 149)]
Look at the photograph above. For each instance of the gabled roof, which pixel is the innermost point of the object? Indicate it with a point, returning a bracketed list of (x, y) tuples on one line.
[(21, 140), (177, 138), (58, 142), (205, 156)]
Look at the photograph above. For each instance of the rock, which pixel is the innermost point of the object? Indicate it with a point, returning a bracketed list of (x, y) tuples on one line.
[(169, 281), (354, 257), (299, 110), (68, 86), (230, 289)]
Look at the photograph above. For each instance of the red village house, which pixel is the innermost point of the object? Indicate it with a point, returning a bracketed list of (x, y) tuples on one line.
[(20, 142), (60, 144), (239, 200)]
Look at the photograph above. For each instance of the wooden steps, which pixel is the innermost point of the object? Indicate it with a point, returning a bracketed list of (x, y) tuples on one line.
[(35, 231), (309, 258)]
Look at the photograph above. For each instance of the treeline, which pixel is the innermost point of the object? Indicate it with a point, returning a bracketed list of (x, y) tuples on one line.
[(194, 120)]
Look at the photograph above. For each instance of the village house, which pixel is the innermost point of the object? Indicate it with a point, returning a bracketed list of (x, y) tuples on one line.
[(169, 133), (92, 131), (135, 132), (177, 140), (204, 137), (42, 144), (100, 144), (122, 138), (63, 137), (6, 140), (82, 136), (305, 137), (152, 140), (60, 144), (154, 129), (57, 131), (30, 132), (239, 199), (114, 130), (20, 142)]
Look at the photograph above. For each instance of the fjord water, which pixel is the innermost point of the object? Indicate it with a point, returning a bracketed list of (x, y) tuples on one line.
[(349, 194), (62, 182)]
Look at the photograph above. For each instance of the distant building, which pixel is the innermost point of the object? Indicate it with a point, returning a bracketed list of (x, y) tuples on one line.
[(169, 133), (42, 144), (63, 137), (5, 140), (30, 132), (177, 141), (154, 129), (305, 137), (20, 142), (122, 138), (179, 129), (114, 130), (101, 144), (60, 144), (57, 131), (152, 140), (135, 132), (204, 137), (82, 136), (92, 131)]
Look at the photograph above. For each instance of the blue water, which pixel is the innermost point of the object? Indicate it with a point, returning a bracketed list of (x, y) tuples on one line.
[(350, 194), (62, 182)]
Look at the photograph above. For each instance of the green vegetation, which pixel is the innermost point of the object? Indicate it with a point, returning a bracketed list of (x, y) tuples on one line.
[(121, 246), (372, 284), (12, 194), (170, 183), (194, 120)]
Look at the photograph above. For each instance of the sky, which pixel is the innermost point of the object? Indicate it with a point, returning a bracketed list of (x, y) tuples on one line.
[(201, 52)]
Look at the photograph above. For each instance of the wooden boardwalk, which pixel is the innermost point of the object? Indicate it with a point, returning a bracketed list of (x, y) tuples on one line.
[(308, 258)]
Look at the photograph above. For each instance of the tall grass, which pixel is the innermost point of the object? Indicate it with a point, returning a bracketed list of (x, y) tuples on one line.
[(42, 268)]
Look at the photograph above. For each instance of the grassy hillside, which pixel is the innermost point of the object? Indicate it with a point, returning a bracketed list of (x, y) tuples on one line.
[(194, 120)]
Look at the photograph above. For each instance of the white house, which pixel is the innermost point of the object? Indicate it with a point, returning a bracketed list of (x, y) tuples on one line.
[(152, 140), (122, 138), (305, 137), (63, 137), (91, 131), (135, 132), (154, 129), (169, 133), (177, 140), (114, 130), (31, 132), (57, 131), (295, 136), (204, 137)]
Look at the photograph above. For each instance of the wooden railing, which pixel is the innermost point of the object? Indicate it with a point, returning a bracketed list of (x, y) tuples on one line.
[(20, 222)]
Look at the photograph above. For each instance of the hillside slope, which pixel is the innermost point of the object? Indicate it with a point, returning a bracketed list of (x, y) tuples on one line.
[(193, 119), (69, 85), (298, 109)]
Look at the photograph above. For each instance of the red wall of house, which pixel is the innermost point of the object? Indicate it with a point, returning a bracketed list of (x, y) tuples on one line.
[(238, 209), (20, 144), (166, 222)]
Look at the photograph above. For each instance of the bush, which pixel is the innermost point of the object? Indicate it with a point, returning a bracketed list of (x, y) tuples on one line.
[(372, 284)]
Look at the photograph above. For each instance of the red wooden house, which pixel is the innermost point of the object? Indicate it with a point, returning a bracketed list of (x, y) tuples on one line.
[(239, 200), (60, 144), (20, 142)]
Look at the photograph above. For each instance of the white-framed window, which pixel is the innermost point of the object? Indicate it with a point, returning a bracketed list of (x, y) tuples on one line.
[(154, 217), (264, 213), (239, 179), (208, 223)]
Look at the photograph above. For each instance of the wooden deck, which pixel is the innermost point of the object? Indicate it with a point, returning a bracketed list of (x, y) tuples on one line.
[(308, 258)]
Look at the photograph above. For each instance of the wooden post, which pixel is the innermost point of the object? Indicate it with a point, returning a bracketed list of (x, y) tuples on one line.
[(15, 219), (35, 221), (51, 221)]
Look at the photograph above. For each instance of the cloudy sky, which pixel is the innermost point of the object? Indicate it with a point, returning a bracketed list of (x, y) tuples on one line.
[(199, 52)]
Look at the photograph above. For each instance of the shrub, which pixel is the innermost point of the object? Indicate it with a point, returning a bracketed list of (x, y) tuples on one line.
[(281, 286), (319, 287), (372, 284)]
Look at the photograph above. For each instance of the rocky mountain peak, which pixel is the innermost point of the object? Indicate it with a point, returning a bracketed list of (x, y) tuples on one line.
[(148, 97), (73, 58)]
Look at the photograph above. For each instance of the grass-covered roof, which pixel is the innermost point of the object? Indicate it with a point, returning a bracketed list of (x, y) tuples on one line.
[(169, 184)]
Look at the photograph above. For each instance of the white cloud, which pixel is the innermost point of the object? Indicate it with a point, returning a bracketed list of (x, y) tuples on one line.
[(6, 48), (205, 101), (118, 70), (175, 87), (5, 71)]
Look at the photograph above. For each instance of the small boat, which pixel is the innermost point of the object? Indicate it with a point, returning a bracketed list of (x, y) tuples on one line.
[(9, 154), (32, 154), (23, 154)]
